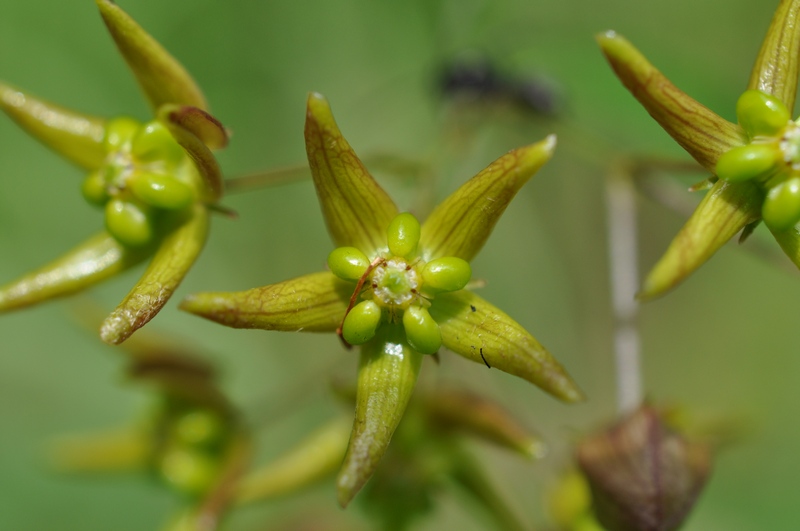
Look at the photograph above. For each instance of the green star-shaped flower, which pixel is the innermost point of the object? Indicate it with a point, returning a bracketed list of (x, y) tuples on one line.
[(409, 278), (156, 182), (757, 160)]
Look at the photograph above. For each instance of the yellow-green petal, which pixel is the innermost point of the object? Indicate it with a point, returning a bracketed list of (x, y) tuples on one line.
[(725, 210), (776, 68), (75, 136), (97, 259), (356, 209), (480, 332), (386, 376), (461, 224), (789, 240), (701, 132), (314, 303), (162, 78), (176, 253)]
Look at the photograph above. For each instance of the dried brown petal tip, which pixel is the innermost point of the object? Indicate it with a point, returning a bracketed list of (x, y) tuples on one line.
[(643, 476)]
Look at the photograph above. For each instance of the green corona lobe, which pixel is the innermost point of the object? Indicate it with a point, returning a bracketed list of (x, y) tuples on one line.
[(161, 191), (119, 132), (747, 162), (188, 471), (128, 223), (422, 332), (761, 114), (361, 323), (403, 235), (781, 209), (446, 274), (154, 142), (348, 263), (94, 188), (200, 428)]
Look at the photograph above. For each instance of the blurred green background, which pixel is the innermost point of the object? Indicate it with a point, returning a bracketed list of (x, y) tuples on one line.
[(722, 345)]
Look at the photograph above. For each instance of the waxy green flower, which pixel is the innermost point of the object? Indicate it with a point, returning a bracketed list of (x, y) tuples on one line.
[(395, 287), (156, 182), (757, 160)]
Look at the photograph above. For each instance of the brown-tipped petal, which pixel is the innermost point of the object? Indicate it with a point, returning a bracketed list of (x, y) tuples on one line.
[(725, 210), (115, 451), (74, 136), (776, 68), (701, 132), (356, 209), (789, 240), (197, 121), (386, 377), (475, 415), (176, 254), (97, 259), (478, 331), (310, 461), (177, 119), (162, 78), (462, 223), (642, 475), (314, 303)]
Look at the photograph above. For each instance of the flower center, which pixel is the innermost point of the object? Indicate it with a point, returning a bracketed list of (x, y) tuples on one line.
[(395, 283)]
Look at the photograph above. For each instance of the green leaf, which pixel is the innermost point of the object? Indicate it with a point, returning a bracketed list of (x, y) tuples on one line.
[(725, 210), (356, 209), (701, 132), (76, 137), (480, 332), (176, 254), (386, 377), (162, 78), (314, 303), (461, 224), (97, 259), (776, 68)]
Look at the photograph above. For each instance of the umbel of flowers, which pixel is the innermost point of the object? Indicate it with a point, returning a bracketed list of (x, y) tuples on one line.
[(396, 287), (156, 182)]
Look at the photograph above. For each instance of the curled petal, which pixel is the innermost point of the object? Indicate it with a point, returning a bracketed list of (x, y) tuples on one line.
[(462, 223), (315, 303), (701, 132), (776, 68), (176, 254), (478, 331), (386, 377), (725, 210), (356, 209), (311, 460), (162, 78), (75, 136), (96, 260), (185, 124)]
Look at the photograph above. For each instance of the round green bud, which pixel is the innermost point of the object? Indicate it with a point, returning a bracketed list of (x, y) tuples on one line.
[(161, 190), (743, 163), (129, 224), (361, 323), (781, 208), (445, 274), (348, 263), (188, 471), (119, 132), (422, 332), (403, 235), (94, 188), (200, 428), (154, 142), (761, 114)]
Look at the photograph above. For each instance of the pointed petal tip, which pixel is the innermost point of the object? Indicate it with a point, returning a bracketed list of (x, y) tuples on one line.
[(607, 35), (344, 492)]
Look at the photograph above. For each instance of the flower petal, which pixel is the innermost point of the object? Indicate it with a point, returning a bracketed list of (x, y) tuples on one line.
[(725, 210), (194, 129), (789, 240), (776, 68), (176, 254), (75, 136), (162, 78), (356, 209), (462, 223), (97, 259), (701, 132), (314, 303), (386, 377), (478, 331)]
